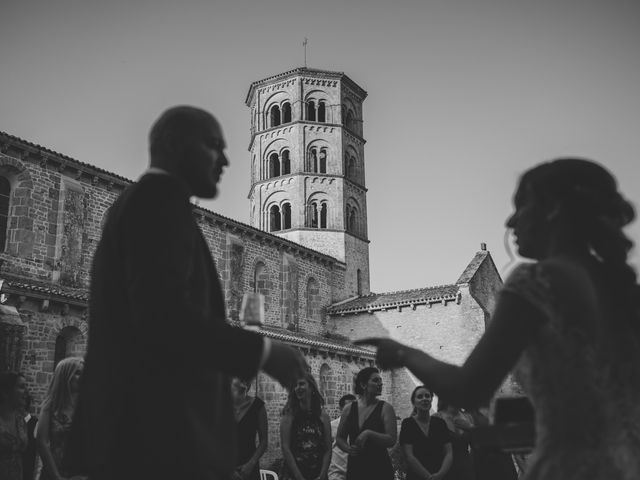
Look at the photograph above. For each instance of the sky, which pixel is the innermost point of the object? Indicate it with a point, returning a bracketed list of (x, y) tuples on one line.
[(463, 96)]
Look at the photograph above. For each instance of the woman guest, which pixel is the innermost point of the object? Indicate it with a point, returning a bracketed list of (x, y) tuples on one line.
[(459, 426), (305, 433), (251, 417), (13, 429), (367, 429), (569, 322), (55, 418), (425, 440)]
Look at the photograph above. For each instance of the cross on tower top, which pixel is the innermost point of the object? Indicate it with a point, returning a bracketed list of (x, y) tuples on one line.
[(304, 44)]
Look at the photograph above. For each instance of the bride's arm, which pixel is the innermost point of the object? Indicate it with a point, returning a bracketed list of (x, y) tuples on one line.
[(514, 323)]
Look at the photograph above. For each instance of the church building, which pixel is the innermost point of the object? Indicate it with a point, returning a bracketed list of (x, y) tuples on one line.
[(306, 250)]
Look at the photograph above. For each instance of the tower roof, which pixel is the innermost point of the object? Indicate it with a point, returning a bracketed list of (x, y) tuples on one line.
[(303, 71)]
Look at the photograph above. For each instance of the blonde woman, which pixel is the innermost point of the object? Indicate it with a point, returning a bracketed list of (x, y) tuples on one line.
[(55, 418)]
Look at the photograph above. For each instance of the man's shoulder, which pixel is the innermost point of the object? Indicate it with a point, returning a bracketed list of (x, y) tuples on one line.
[(154, 190)]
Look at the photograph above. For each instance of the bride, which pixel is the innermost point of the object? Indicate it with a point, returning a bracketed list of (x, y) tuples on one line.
[(569, 324)]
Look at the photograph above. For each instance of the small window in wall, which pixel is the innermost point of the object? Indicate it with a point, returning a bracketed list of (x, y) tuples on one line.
[(286, 163), (286, 112), (321, 112), (311, 110), (359, 281), (313, 299), (286, 215), (65, 344), (275, 116), (260, 278), (274, 219), (5, 193)]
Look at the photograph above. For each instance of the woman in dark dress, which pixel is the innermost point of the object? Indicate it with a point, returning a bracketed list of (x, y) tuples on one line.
[(459, 426), (491, 463), (251, 418), (305, 433), (425, 440), (13, 429), (367, 429)]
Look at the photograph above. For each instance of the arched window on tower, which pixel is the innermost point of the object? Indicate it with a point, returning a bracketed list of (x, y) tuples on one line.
[(5, 194), (275, 116), (323, 215), (286, 112), (286, 216), (286, 163), (275, 224), (311, 110), (349, 120), (352, 220), (313, 160), (351, 168), (323, 160), (313, 215), (274, 165), (322, 112)]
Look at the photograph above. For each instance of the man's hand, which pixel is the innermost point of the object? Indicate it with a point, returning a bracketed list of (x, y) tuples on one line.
[(285, 364)]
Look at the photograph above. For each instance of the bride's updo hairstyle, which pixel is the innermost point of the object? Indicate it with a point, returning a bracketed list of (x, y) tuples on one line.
[(586, 198)]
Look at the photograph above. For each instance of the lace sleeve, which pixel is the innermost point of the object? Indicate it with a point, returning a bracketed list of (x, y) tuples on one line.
[(529, 282)]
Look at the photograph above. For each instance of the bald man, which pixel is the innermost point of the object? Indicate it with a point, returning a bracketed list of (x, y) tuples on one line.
[(155, 399)]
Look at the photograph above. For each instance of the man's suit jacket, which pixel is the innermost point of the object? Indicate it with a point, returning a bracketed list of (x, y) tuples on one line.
[(155, 395)]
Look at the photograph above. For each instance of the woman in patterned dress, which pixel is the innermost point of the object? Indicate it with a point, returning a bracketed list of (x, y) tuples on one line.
[(305, 433), (56, 415), (13, 429), (569, 322)]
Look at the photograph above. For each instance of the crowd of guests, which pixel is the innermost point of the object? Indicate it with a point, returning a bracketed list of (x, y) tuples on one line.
[(357, 444), (353, 446), (33, 447)]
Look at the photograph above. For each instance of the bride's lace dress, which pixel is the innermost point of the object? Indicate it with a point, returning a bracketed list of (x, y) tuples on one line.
[(585, 391)]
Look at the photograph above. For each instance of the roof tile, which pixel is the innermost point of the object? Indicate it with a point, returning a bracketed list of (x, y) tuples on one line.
[(380, 301)]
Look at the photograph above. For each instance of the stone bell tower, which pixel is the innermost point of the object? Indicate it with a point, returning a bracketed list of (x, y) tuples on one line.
[(307, 165)]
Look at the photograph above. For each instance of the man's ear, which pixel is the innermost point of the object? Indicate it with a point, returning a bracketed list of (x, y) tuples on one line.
[(172, 143)]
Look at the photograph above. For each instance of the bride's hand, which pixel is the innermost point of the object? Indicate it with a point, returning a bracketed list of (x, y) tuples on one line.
[(390, 354)]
